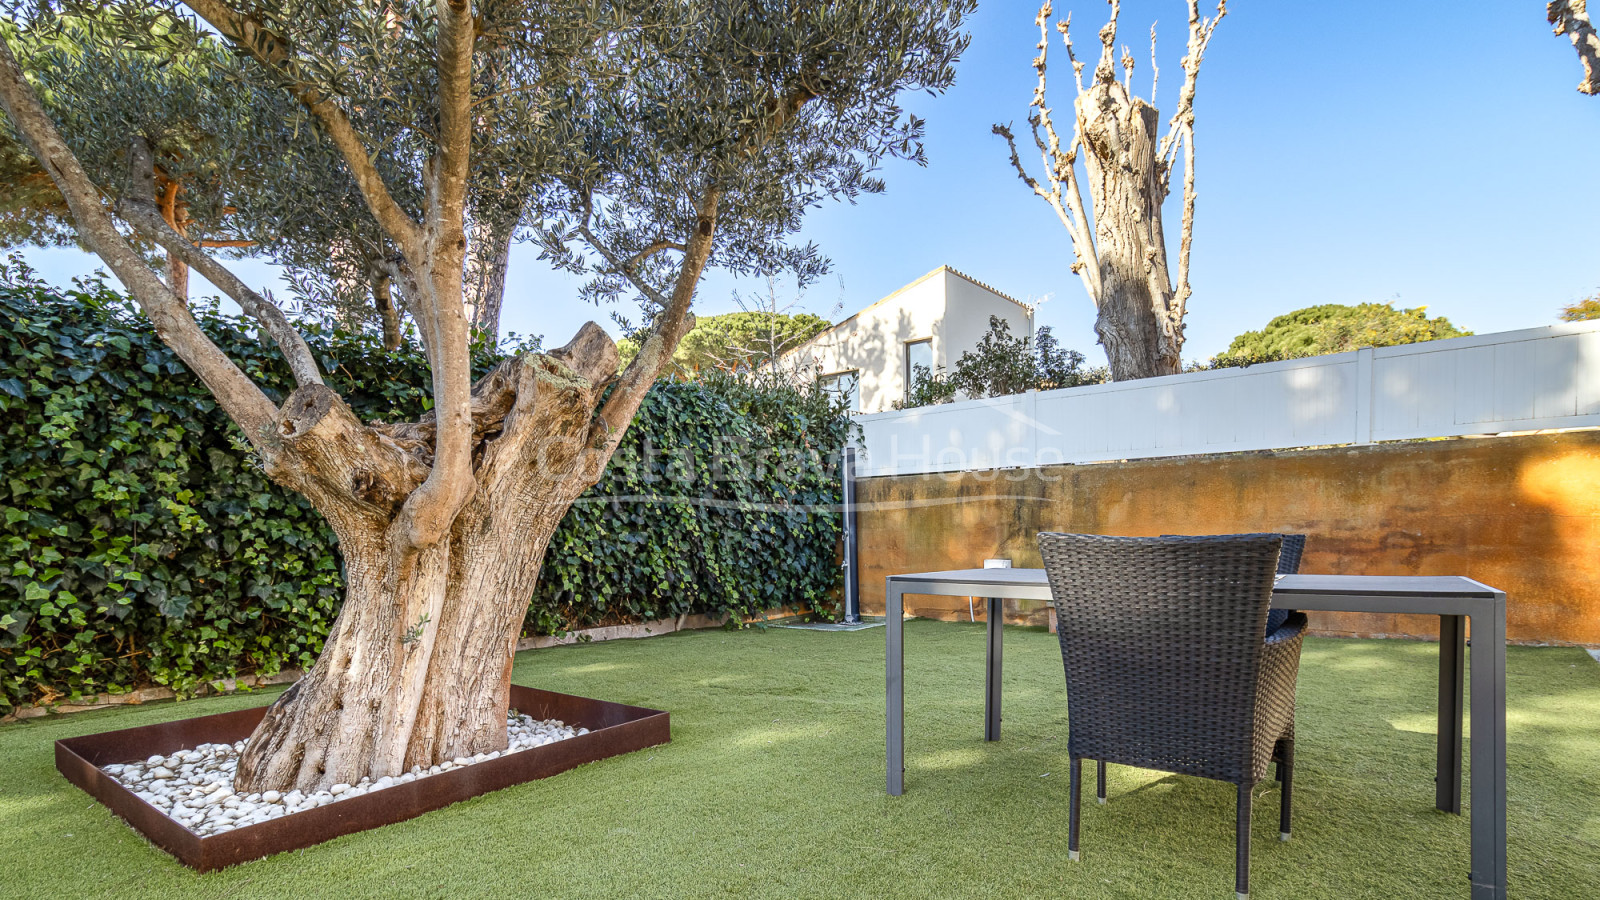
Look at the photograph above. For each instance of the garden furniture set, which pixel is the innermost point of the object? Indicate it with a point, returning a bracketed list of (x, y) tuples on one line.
[(1181, 655)]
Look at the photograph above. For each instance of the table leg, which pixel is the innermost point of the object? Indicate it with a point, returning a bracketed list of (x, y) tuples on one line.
[(1452, 671), (895, 688), (1489, 751), (991, 681)]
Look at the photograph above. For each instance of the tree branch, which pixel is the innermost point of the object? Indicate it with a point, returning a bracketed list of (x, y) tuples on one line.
[(1183, 116), (1180, 299), (148, 220), (1105, 71), (670, 325), (1089, 261), (1052, 197), (448, 187), (273, 52), (1181, 129), (1064, 196), (1571, 18), (623, 268), (438, 266), (652, 250), (1155, 71), (240, 397)]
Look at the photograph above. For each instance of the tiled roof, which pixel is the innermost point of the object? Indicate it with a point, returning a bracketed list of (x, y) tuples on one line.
[(990, 288)]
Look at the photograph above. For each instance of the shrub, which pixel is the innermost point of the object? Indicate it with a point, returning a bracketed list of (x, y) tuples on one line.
[(1335, 328), (1002, 365)]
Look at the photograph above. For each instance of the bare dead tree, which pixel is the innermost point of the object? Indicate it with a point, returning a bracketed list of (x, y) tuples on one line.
[(1571, 18), (1121, 251)]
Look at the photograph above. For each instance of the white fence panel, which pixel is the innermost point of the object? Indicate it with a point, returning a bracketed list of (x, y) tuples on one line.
[(1513, 381)]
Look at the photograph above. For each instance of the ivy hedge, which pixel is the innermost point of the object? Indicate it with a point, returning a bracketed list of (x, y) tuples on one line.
[(141, 544)]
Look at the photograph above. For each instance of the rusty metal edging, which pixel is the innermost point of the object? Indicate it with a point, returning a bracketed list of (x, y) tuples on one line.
[(614, 729)]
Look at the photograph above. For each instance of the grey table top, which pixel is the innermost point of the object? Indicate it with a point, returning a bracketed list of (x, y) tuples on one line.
[(1365, 585)]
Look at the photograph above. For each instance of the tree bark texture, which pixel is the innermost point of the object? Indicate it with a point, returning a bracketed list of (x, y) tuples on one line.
[(388, 315), (171, 211), (1121, 252), (417, 667), (1571, 18), (488, 258), (1139, 324)]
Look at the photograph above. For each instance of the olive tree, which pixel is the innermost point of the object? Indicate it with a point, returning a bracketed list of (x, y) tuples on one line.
[(657, 138), (1121, 250)]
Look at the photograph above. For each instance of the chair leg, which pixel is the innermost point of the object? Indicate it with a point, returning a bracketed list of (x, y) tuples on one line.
[(1076, 769), (1100, 781), (1286, 771), (1241, 877)]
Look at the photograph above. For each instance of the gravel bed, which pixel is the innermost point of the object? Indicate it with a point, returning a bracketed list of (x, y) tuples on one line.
[(195, 787)]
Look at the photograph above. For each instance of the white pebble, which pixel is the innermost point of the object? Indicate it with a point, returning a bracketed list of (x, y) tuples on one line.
[(199, 795)]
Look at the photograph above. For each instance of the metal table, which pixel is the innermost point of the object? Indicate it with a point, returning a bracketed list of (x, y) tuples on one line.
[(1452, 598)]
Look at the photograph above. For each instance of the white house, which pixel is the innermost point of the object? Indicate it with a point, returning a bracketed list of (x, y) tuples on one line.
[(929, 322)]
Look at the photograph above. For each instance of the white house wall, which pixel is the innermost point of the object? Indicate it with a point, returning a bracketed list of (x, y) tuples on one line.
[(966, 320), (950, 310)]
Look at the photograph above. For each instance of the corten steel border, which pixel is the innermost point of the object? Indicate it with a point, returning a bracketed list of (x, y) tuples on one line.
[(614, 729)]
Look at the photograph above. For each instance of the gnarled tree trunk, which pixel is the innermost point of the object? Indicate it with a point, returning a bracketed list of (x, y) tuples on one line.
[(444, 522), (417, 667), (1139, 322)]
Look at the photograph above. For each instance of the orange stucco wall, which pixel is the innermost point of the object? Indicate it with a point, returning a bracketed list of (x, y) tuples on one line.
[(1519, 513)]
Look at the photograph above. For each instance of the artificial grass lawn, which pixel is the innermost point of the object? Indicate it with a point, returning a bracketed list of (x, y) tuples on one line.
[(773, 786)]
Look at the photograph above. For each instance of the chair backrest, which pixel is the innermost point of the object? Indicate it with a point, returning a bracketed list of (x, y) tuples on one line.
[(1294, 547), (1161, 639)]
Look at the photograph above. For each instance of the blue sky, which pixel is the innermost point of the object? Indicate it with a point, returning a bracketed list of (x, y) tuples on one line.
[(1347, 152)]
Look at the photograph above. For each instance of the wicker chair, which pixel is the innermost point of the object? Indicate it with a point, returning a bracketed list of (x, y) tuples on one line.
[(1166, 665)]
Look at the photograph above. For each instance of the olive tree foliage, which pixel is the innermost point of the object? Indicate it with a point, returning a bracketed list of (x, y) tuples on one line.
[(1571, 18), (178, 96), (646, 141), (1121, 249), (229, 170)]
